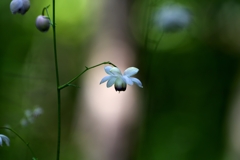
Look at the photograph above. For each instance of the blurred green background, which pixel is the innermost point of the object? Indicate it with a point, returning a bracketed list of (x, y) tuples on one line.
[(189, 81)]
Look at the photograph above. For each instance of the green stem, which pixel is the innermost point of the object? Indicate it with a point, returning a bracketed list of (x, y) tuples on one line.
[(86, 69), (148, 13), (27, 144), (158, 42), (45, 8), (57, 80)]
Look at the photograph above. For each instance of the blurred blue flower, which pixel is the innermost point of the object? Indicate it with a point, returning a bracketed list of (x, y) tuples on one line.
[(37, 111), (31, 115), (173, 17), (19, 6), (5, 139), (120, 81)]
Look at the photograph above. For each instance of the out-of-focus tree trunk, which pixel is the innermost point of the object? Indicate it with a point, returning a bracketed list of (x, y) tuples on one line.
[(106, 118), (233, 138)]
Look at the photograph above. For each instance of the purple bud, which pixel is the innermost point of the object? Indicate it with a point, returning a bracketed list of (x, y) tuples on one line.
[(19, 6), (42, 23)]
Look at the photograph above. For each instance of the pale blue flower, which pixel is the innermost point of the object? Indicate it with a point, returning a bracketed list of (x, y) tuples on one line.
[(37, 111), (19, 6), (173, 17), (120, 81), (5, 139), (24, 122), (31, 115)]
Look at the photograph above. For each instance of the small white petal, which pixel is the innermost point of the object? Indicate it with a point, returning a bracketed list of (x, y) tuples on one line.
[(28, 113), (106, 78), (5, 139), (111, 81), (107, 69), (0, 140), (127, 80), (130, 71), (24, 122), (137, 81), (37, 111), (116, 71)]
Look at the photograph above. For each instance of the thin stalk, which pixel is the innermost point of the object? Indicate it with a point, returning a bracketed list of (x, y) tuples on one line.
[(148, 14), (86, 69), (26, 143), (57, 80), (157, 44)]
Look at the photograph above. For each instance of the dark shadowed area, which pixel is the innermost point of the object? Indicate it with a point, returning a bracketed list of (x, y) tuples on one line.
[(188, 108)]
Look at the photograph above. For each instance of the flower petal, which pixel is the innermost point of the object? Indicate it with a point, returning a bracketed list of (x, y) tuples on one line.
[(137, 82), (130, 71), (106, 78), (5, 139), (127, 80), (37, 111), (107, 69), (25, 7), (111, 81), (24, 122), (15, 6), (0, 140), (116, 71)]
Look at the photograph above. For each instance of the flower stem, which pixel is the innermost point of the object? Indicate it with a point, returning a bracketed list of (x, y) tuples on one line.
[(57, 79), (27, 144), (59, 88), (148, 13), (157, 44), (86, 69), (45, 9)]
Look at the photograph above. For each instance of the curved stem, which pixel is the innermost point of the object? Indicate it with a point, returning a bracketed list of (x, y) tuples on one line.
[(27, 144), (57, 80), (86, 69), (148, 13), (45, 8)]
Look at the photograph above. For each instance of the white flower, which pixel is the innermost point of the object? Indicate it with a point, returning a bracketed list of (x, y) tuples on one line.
[(5, 139), (19, 6), (28, 113), (173, 17), (24, 122), (30, 116), (120, 81), (37, 112)]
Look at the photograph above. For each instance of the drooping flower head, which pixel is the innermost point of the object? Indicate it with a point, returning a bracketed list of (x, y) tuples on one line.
[(120, 80), (5, 139), (19, 6), (37, 111), (173, 17)]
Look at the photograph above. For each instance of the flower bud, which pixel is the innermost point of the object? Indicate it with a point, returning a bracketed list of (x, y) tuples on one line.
[(42, 23), (19, 6), (120, 85)]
